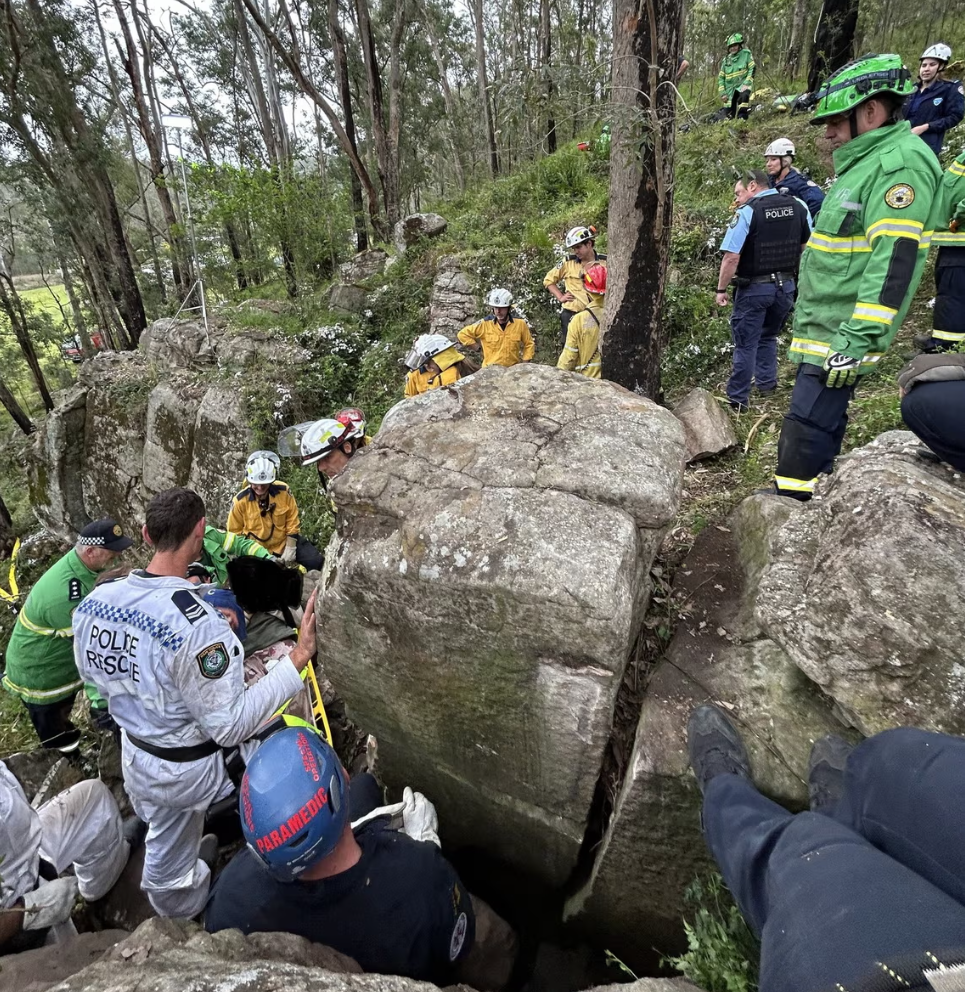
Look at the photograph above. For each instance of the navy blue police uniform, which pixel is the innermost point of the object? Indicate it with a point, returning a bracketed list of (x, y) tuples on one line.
[(941, 107), (767, 232), (400, 910), (803, 188)]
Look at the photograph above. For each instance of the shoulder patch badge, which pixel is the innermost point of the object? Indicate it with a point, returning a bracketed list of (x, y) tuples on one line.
[(189, 605), (937, 101), (74, 591), (733, 221), (213, 660), (900, 195), (458, 936)]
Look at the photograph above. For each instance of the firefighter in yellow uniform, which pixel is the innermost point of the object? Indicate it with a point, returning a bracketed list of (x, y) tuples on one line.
[(581, 353), (434, 361), (504, 337), (573, 296)]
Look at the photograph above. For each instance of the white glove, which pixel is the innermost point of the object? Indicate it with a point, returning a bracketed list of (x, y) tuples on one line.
[(393, 811), (288, 555), (419, 818), (50, 903)]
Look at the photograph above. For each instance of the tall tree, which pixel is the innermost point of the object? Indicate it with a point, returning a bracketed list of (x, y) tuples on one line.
[(646, 45), (833, 40), (482, 82)]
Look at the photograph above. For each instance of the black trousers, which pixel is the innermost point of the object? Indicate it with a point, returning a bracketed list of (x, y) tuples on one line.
[(307, 555), (935, 411), (881, 878), (53, 724)]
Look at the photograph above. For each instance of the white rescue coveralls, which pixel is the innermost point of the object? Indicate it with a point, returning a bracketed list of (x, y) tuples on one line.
[(79, 826), (172, 672)]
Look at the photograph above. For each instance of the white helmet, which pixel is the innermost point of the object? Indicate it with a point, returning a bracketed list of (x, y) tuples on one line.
[(262, 467), (320, 438), (499, 298), (577, 235), (780, 147), (940, 51), (425, 347)]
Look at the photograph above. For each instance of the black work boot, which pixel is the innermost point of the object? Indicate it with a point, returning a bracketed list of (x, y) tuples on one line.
[(829, 755), (715, 746), (927, 455)]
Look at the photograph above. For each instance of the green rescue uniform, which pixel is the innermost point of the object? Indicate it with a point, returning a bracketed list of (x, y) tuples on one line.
[(736, 73), (40, 655), (221, 545), (866, 254), (948, 314)]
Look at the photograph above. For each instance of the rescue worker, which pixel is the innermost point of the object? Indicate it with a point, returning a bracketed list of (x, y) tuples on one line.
[(866, 889), (778, 161), (932, 389), (581, 353), (172, 672), (265, 511), (386, 898), (40, 655), (936, 105), (434, 361), (862, 264), (736, 77), (505, 338), (581, 241), (219, 546), (328, 444), (762, 248), (948, 314), (80, 826)]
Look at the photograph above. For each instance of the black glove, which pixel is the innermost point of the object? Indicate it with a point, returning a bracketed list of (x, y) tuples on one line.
[(102, 719), (932, 368)]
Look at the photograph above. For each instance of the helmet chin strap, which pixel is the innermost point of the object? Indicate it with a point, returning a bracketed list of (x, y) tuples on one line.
[(853, 121)]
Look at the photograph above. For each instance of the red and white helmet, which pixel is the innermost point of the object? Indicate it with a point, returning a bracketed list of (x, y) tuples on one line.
[(321, 438), (577, 235), (594, 279), (354, 420)]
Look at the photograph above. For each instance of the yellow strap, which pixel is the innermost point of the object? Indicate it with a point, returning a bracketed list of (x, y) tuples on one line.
[(14, 594), (44, 631), (318, 707)]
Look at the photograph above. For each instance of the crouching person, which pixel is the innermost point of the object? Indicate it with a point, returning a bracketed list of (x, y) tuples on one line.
[(82, 827), (385, 897)]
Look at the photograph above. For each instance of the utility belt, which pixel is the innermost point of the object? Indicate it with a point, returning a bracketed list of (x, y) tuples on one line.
[(778, 278), (193, 752)]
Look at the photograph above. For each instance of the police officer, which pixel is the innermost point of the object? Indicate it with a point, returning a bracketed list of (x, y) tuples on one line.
[(40, 655), (948, 315), (736, 78), (762, 247), (863, 261), (385, 897), (936, 105), (172, 672), (778, 161), (581, 241)]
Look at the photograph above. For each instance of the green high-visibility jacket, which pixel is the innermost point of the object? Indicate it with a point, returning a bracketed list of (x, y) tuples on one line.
[(736, 73), (865, 257), (950, 204), (222, 545), (40, 655)]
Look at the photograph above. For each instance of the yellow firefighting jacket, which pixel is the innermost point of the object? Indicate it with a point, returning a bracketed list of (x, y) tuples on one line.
[(500, 346), (270, 527)]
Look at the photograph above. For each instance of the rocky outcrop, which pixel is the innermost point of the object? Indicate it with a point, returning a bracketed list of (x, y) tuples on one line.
[(864, 589), (141, 422), (707, 428), (452, 304), (410, 229), (363, 266), (347, 298), (502, 589), (174, 955)]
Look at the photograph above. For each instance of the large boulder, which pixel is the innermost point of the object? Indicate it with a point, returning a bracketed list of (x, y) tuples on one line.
[(347, 298), (485, 588), (169, 436), (864, 591), (707, 427), (452, 304), (222, 441), (253, 347), (173, 343), (56, 465), (363, 266), (653, 848), (410, 229)]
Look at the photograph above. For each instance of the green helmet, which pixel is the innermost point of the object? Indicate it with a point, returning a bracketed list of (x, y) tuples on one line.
[(735, 39), (859, 81)]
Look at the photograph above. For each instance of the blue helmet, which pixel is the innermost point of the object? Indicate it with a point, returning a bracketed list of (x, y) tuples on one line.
[(294, 802)]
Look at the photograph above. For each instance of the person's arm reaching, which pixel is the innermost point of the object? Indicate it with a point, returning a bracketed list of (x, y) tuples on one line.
[(469, 335)]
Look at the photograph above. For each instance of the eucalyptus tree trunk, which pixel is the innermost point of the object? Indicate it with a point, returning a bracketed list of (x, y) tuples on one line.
[(485, 108), (646, 45)]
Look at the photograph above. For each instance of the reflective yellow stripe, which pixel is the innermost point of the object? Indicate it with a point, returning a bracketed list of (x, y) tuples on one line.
[(948, 336), (895, 228), (795, 485), (872, 358), (873, 312), (824, 242), (229, 540), (589, 365), (805, 346), (957, 169), (44, 631), (926, 239), (949, 238), (568, 348), (41, 694)]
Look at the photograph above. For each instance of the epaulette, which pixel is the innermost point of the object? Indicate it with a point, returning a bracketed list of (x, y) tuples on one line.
[(246, 492)]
